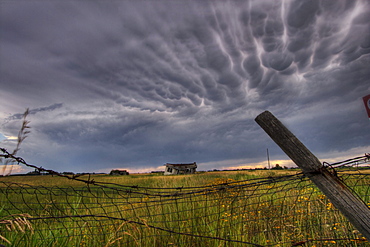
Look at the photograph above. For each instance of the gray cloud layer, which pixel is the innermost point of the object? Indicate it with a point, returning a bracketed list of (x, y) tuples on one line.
[(136, 84)]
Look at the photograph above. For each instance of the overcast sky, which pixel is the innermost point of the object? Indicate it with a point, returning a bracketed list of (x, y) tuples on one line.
[(136, 84)]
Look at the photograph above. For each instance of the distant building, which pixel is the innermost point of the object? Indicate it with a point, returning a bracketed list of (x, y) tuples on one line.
[(37, 172), (119, 172), (188, 168)]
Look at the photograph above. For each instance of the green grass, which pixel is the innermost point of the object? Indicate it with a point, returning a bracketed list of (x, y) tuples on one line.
[(233, 205)]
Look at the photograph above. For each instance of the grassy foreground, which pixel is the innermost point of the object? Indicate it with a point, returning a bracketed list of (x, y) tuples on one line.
[(254, 207)]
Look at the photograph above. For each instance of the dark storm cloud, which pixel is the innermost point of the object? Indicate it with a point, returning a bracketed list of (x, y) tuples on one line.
[(143, 83)]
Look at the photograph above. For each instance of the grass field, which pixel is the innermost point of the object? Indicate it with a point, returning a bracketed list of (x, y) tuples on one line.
[(152, 179), (261, 207)]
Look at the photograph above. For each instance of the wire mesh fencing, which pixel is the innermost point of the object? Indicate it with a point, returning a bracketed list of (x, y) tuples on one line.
[(285, 210)]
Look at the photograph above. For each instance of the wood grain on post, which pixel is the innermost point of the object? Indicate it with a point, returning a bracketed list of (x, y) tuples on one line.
[(355, 210)]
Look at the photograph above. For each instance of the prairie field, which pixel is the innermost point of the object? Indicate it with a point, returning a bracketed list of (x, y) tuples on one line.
[(151, 179), (223, 208)]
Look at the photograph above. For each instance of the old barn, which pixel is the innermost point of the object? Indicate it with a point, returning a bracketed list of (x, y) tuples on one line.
[(119, 172), (185, 168)]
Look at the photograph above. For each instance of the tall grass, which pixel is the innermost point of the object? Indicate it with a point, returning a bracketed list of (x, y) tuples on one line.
[(231, 205)]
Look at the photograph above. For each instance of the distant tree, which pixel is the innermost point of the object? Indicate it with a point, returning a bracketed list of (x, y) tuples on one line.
[(35, 172), (67, 173), (277, 167)]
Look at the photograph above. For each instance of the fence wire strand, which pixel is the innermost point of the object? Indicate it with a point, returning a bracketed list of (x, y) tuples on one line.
[(268, 211)]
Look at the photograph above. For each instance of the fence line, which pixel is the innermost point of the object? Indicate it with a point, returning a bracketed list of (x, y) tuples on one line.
[(268, 211)]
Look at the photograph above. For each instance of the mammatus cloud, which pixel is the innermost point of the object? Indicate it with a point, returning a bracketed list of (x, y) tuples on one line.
[(138, 84)]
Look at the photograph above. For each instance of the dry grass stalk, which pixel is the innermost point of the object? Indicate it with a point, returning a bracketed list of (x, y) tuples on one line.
[(22, 135), (16, 222)]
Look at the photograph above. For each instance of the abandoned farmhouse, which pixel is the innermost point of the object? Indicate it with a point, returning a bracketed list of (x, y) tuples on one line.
[(172, 169)]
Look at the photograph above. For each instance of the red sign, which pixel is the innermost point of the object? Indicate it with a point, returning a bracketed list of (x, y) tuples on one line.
[(367, 104)]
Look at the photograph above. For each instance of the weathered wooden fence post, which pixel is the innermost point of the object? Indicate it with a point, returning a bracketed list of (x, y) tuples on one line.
[(355, 210)]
